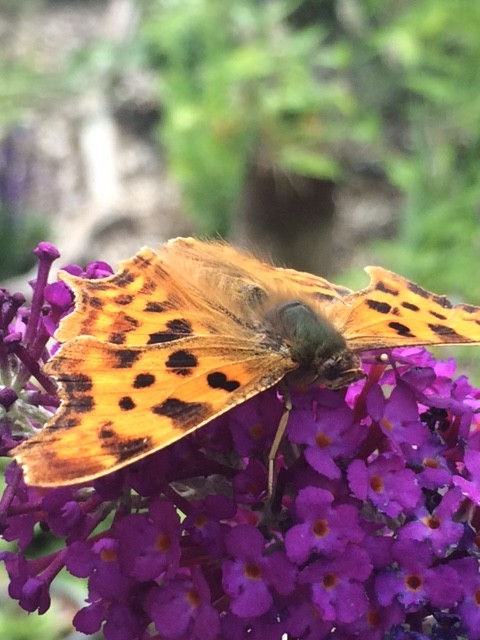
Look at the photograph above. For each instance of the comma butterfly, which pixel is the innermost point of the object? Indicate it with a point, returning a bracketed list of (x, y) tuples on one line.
[(183, 334)]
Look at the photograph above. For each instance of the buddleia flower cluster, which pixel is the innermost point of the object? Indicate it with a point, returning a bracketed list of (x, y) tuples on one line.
[(371, 533)]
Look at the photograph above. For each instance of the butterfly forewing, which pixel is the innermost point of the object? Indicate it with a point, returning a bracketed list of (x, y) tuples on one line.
[(146, 302), (120, 404), (394, 312)]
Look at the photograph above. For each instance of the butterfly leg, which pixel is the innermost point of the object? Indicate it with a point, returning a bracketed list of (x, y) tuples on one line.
[(282, 425)]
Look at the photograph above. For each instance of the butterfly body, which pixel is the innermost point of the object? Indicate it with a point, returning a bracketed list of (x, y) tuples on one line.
[(320, 351), (181, 335)]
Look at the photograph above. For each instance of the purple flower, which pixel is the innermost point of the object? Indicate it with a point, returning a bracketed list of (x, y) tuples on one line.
[(326, 428), (398, 415), (337, 585), (469, 609), (439, 527), (182, 609), (386, 482), (251, 577), (159, 553), (112, 594), (254, 423), (376, 619), (31, 591), (326, 528), (416, 581), (428, 460), (64, 514), (204, 523), (470, 486)]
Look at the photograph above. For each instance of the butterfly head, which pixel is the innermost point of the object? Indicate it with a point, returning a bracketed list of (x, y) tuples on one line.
[(339, 370)]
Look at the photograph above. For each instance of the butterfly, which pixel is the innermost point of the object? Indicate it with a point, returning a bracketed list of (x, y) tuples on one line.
[(181, 335)]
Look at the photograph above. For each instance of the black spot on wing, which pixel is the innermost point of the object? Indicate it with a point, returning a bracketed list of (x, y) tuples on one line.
[(124, 278), (64, 424), (178, 328), (129, 323), (381, 286), (126, 403), (442, 301), (417, 290), (143, 380), (145, 262), (128, 449), (381, 307), (82, 404), (218, 380), (446, 332), (117, 337), (126, 358), (77, 383), (181, 362), (147, 287), (123, 299), (401, 329), (155, 307), (435, 314), (410, 306), (468, 308), (96, 303), (106, 430), (184, 415), (123, 449)]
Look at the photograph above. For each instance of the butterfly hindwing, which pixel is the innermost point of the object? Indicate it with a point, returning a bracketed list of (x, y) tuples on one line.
[(237, 268)]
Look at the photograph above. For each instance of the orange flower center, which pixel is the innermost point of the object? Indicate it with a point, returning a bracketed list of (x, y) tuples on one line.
[(108, 555), (252, 571), (432, 522), (193, 597), (376, 483), (329, 580), (163, 542), (413, 582), (322, 440), (320, 528)]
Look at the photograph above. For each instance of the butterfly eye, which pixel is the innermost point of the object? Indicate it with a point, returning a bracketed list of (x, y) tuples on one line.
[(340, 370)]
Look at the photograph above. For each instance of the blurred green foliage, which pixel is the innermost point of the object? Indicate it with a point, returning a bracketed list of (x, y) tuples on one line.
[(319, 88), (236, 82), (306, 86)]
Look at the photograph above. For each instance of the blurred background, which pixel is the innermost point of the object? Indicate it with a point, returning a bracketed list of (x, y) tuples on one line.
[(324, 134), (328, 134)]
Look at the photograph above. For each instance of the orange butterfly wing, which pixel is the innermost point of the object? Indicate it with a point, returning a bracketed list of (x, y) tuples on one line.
[(155, 358), (143, 303), (393, 311), (175, 338), (108, 420)]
